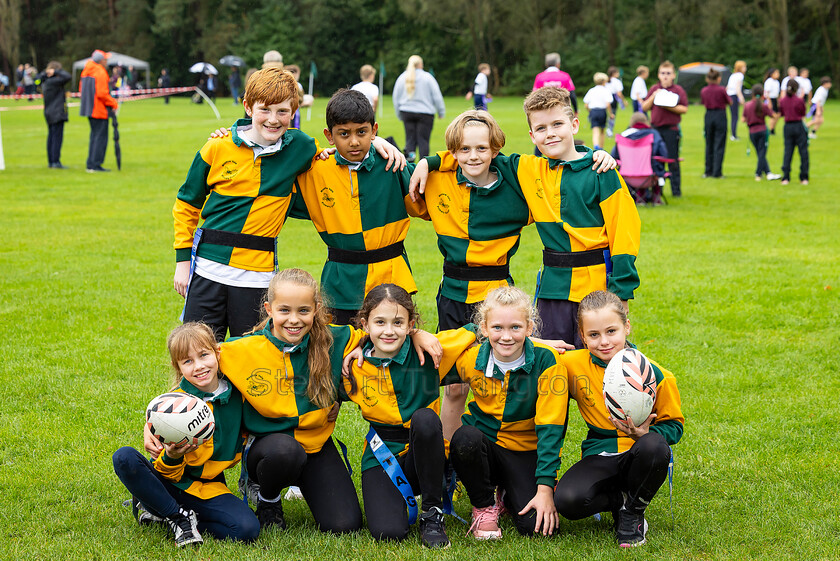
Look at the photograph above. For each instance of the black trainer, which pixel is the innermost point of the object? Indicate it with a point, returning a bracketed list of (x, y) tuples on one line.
[(632, 528), (433, 529), (143, 516), (185, 526), (271, 514)]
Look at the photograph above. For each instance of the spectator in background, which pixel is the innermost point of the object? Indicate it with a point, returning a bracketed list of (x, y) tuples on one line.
[(95, 102), (417, 98), (481, 88), (295, 71), (271, 59), (806, 88), (29, 73), (235, 83), (367, 85), (19, 80), (715, 99), (53, 80), (735, 91), (164, 81), (638, 91), (4, 83), (553, 76), (616, 87), (667, 103), (210, 82)]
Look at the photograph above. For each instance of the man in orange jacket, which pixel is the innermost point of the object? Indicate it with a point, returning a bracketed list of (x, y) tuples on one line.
[(96, 99)]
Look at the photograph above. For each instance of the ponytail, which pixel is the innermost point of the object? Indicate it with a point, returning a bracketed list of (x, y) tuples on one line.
[(414, 61)]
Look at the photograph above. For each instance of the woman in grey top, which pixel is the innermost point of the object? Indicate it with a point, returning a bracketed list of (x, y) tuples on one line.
[(417, 98)]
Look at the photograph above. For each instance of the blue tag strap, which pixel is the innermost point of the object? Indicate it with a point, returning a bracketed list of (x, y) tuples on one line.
[(671, 484), (608, 262), (196, 241), (448, 493), (392, 468), (243, 472)]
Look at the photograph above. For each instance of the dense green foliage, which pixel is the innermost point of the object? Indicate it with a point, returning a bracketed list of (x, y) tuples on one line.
[(739, 298), (452, 35)]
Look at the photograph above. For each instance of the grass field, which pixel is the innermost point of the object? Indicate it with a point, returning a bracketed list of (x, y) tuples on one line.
[(739, 298)]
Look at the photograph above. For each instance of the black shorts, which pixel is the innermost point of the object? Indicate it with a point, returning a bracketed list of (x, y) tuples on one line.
[(453, 314), (597, 118)]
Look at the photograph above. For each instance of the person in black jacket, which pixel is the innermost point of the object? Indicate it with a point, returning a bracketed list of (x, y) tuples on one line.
[(53, 80)]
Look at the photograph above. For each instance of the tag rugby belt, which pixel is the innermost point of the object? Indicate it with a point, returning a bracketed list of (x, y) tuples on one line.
[(365, 257), (568, 260), (237, 239), (498, 272)]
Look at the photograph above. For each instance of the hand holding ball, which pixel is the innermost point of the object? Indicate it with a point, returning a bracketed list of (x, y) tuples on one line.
[(180, 418), (629, 386)]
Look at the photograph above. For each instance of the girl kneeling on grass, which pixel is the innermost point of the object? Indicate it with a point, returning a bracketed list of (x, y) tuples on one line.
[(288, 369), (622, 465), (185, 485), (400, 398), (512, 432)]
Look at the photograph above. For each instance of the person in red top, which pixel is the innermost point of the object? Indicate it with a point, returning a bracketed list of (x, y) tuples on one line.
[(754, 114), (96, 99), (667, 102), (792, 108), (715, 100)]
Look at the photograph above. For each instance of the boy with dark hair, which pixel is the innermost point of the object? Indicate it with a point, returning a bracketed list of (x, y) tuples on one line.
[(358, 208)]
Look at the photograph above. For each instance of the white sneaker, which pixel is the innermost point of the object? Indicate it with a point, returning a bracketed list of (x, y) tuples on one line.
[(773, 176), (293, 494), (812, 135)]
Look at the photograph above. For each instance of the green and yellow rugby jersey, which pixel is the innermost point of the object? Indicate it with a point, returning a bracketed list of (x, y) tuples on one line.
[(576, 209), (389, 391), (273, 377), (201, 472), (228, 189), (361, 210), (586, 387), (523, 409), (476, 226)]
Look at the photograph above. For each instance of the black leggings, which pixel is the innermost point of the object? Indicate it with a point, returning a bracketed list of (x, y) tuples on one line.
[(418, 132), (482, 465), (595, 483), (277, 460), (385, 508), (796, 136)]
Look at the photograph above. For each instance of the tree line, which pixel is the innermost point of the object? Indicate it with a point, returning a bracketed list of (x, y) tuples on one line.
[(452, 36)]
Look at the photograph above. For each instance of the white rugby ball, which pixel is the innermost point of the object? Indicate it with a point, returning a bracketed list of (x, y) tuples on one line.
[(180, 418), (629, 386)]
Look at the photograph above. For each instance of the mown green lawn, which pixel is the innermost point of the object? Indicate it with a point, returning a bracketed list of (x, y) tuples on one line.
[(739, 298)]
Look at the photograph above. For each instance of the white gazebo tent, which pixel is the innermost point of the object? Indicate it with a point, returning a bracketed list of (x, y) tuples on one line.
[(116, 59)]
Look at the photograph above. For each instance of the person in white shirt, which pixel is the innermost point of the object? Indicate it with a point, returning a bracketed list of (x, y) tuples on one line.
[(817, 106), (805, 86), (598, 101), (366, 86), (772, 90), (616, 87), (638, 91), (480, 90), (735, 91)]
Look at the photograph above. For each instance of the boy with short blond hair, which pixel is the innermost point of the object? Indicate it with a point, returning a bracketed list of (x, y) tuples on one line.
[(241, 186), (367, 87)]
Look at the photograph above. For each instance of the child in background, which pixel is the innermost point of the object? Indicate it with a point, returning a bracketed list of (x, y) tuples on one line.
[(639, 127), (715, 100), (818, 107), (792, 108), (512, 433), (358, 208), (367, 86), (185, 485), (755, 111), (302, 100), (480, 90), (598, 101), (735, 91), (666, 110), (622, 465), (806, 88), (792, 74), (400, 398), (638, 91), (616, 87), (772, 90)]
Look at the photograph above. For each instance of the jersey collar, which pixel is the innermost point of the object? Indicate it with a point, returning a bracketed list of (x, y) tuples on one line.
[(576, 165), (383, 362), (282, 345), (366, 164), (461, 179), (484, 355), (222, 398)]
